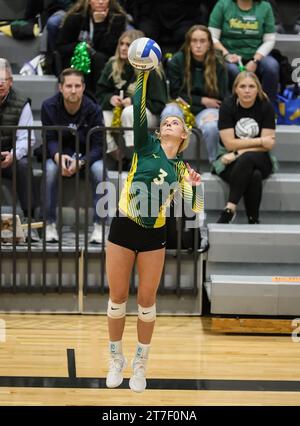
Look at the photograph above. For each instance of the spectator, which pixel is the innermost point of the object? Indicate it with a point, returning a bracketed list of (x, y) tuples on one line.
[(167, 21), (245, 31), (100, 24), (247, 132), (16, 111), (198, 78), (115, 88), (71, 108)]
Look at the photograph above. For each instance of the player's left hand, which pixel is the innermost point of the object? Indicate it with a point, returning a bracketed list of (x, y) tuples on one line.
[(193, 178)]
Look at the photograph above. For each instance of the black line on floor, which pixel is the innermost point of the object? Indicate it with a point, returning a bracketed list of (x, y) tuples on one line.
[(71, 363), (162, 384)]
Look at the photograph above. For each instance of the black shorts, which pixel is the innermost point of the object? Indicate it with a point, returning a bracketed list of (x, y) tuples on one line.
[(126, 233)]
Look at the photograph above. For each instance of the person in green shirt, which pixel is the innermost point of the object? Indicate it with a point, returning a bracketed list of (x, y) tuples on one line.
[(115, 89), (244, 30), (138, 232), (198, 78)]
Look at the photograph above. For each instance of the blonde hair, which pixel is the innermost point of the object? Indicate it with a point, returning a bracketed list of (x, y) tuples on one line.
[(118, 64), (185, 142), (248, 74), (210, 63)]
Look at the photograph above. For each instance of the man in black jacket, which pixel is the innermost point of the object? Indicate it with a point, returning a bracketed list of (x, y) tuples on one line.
[(71, 108)]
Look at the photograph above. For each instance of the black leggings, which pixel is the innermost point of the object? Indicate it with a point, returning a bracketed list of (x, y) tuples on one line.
[(245, 176)]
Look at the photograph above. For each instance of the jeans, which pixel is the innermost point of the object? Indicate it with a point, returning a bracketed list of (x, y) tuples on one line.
[(209, 128), (53, 25), (95, 176), (268, 73)]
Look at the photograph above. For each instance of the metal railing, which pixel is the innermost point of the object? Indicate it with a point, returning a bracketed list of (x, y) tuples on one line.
[(68, 266)]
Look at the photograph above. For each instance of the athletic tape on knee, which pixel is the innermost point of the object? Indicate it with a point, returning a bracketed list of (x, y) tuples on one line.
[(116, 310), (147, 314)]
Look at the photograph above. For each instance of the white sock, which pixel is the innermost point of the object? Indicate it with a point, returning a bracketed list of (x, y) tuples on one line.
[(115, 347), (142, 350)]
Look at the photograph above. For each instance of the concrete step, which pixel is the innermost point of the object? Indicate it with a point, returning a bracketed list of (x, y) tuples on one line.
[(280, 192), (37, 88), (254, 243), (17, 52), (254, 295), (253, 250), (288, 44), (286, 150), (265, 217)]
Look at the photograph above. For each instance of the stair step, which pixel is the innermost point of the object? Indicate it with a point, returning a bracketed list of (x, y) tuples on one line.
[(254, 243), (27, 86), (254, 295), (17, 52), (280, 192), (288, 44)]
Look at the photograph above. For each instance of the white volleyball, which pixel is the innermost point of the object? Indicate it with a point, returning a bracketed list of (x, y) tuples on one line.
[(144, 54), (246, 128)]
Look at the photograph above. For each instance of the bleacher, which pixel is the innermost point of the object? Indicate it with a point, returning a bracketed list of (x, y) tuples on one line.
[(242, 269), (37, 88), (247, 269)]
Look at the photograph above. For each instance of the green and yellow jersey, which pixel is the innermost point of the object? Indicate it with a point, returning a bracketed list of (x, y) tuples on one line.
[(153, 178)]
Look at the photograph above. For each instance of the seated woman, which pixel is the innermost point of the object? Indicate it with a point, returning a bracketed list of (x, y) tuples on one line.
[(115, 90), (100, 24), (247, 132), (245, 32), (198, 78)]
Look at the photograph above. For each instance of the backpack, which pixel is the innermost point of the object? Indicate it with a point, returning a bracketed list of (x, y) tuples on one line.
[(285, 69)]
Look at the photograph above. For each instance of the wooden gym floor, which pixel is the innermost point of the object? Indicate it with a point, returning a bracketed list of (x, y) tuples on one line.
[(61, 360)]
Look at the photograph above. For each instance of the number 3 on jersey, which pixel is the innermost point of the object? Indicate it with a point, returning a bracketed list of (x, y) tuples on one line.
[(161, 177)]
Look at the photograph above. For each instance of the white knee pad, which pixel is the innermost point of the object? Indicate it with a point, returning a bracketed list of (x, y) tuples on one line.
[(116, 310), (147, 314)]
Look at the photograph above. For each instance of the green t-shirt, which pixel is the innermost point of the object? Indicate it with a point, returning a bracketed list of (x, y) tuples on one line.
[(242, 31), (153, 178)]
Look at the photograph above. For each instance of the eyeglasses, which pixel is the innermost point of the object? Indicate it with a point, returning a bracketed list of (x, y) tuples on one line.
[(4, 80)]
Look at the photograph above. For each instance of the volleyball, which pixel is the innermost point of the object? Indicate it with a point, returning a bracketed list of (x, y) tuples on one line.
[(144, 54), (246, 128)]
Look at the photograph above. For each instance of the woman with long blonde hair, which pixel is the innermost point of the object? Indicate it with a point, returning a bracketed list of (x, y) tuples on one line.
[(198, 78), (138, 232), (115, 89)]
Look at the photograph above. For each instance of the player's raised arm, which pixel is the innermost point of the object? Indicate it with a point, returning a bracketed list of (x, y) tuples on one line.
[(140, 124)]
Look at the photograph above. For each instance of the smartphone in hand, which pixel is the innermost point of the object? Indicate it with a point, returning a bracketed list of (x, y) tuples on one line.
[(68, 163)]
